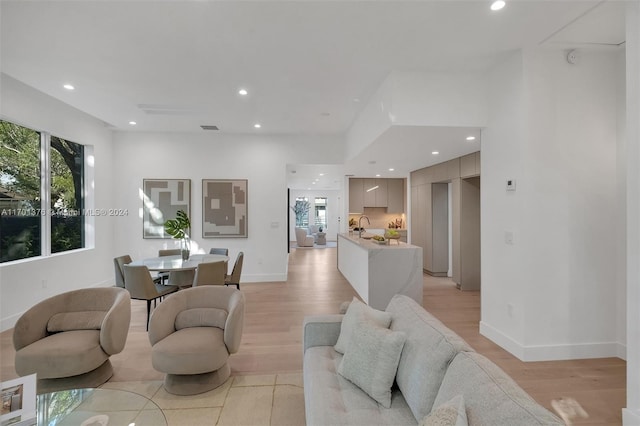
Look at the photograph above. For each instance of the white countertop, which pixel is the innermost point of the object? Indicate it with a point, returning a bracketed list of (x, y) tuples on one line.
[(370, 244)]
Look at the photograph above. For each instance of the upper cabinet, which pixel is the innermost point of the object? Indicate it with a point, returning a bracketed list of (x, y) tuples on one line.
[(369, 192), (356, 195), (395, 198), (375, 192)]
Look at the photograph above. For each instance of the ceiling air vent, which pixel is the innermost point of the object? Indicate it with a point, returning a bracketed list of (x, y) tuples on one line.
[(209, 127)]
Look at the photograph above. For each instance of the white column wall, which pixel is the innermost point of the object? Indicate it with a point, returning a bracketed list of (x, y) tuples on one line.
[(571, 204), (196, 156), (553, 293), (631, 414), (26, 282), (502, 265)]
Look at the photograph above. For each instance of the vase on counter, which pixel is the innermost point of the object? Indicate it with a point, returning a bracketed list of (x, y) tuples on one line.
[(185, 247)]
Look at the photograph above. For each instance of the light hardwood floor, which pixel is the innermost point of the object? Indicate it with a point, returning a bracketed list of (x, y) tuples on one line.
[(273, 334)]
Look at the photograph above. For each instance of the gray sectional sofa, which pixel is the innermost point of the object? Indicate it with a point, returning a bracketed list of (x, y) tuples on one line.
[(435, 366)]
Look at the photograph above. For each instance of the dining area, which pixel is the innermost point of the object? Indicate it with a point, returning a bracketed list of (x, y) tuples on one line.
[(152, 279)]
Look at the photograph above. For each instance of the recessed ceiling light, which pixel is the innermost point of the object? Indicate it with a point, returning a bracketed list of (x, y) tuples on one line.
[(497, 5), (313, 183), (471, 138), (133, 123), (378, 175), (321, 174), (391, 170), (435, 152), (257, 125), (243, 92), (69, 86)]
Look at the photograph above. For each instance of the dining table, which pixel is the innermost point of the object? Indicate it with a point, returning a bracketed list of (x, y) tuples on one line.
[(176, 263)]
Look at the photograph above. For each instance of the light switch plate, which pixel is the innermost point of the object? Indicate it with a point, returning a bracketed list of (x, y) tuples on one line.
[(511, 184)]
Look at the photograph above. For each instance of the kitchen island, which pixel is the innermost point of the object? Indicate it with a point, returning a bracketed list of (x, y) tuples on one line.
[(379, 271)]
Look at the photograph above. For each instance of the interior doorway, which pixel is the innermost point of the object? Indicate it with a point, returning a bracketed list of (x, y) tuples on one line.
[(455, 231)]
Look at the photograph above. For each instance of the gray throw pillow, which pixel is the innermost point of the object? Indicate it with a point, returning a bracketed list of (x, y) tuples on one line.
[(451, 413), (355, 310), (371, 360)]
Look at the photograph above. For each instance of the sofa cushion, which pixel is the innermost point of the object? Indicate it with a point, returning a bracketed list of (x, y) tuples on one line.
[(201, 317), (451, 413), (62, 354), (330, 399), (491, 396), (191, 350), (429, 348), (371, 360), (355, 311), (82, 320)]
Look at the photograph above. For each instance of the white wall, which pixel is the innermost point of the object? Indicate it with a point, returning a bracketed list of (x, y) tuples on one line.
[(502, 301), (334, 210), (196, 156), (439, 99), (21, 282), (631, 414), (553, 128), (419, 99)]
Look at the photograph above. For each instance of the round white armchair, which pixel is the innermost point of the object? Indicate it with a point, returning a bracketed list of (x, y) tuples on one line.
[(192, 334)]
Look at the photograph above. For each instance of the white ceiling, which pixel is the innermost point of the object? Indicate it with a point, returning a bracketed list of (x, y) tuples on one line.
[(309, 66)]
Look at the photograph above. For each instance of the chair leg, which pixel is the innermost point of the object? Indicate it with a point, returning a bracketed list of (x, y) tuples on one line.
[(148, 312)]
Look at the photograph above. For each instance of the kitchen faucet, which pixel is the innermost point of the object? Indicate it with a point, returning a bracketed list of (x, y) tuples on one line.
[(360, 225)]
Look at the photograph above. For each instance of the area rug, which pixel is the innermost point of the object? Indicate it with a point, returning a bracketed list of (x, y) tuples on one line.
[(273, 399)]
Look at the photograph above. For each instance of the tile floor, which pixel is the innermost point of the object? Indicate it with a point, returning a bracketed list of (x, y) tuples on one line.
[(272, 399)]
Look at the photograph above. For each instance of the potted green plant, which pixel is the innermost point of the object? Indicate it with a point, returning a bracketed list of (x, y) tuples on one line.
[(178, 228)]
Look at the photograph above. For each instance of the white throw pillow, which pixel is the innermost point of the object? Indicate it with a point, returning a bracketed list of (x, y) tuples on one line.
[(371, 360), (451, 413), (355, 310)]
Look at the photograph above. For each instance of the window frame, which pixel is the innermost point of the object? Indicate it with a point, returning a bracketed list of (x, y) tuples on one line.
[(45, 197)]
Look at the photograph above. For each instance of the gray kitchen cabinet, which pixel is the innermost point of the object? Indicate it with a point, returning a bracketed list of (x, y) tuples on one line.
[(356, 195), (395, 195)]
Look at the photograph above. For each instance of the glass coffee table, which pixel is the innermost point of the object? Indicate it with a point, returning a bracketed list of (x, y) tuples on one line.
[(98, 407)]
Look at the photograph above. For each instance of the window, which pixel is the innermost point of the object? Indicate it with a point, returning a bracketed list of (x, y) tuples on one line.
[(301, 209), (67, 202), (41, 193), (321, 212), (20, 188)]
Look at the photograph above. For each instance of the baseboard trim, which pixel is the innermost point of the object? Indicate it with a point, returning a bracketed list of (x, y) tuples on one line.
[(552, 352), (505, 342)]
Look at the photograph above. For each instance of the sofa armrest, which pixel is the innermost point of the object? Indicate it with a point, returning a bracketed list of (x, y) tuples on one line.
[(321, 330)]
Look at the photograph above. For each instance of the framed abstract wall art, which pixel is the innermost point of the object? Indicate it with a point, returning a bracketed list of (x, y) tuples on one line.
[(224, 208), (161, 200)]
